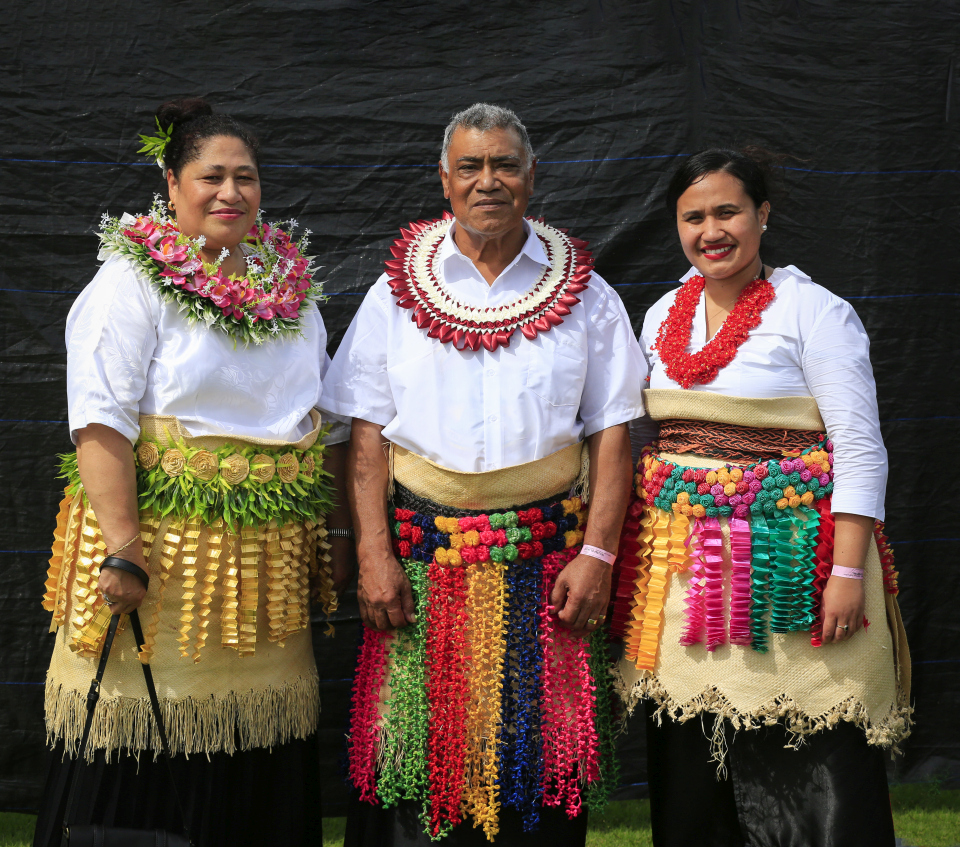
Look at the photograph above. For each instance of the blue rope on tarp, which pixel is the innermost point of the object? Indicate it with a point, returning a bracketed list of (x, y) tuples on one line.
[(890, 172)]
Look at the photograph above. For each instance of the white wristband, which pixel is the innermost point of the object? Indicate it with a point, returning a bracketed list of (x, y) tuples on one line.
[(597, 553), (849, 573)]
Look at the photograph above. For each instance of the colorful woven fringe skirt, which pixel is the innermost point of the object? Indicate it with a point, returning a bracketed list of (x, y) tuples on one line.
[(721, 575), (226, 617), (485, 701)]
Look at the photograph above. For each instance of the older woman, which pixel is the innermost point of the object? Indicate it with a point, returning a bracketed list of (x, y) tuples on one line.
[(200, 482), (750, 568)]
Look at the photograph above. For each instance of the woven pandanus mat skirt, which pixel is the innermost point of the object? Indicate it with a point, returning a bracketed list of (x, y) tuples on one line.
[(720, 583), (226, 617)]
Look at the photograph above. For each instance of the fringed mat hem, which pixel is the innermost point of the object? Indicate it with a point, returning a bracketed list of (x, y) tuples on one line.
[(260, 718), (887, 731)]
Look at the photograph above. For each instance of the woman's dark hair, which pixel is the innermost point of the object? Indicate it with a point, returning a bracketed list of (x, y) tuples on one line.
[(755, 168), (193, 122)]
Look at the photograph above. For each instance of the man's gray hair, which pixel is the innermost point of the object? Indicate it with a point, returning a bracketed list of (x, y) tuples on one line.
[(486, 116)]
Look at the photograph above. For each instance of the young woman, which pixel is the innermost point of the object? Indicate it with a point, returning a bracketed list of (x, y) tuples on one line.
[(750, 566)]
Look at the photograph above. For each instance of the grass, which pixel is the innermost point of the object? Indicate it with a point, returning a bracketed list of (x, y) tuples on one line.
[(16, 830), (625, 823), (925, 815)]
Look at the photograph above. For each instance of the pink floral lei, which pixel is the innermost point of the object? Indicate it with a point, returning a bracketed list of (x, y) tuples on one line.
[(263, 304)]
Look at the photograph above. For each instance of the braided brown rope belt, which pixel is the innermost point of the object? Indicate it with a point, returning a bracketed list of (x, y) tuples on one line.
[(731, 442)]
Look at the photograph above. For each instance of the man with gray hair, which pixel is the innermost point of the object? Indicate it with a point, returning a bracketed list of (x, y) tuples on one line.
[(490, 374)]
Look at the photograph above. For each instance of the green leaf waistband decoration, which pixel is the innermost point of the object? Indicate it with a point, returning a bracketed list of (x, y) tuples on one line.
[(245, 486)]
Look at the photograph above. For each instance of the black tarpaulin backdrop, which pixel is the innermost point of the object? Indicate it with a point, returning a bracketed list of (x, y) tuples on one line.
[(351, 98)]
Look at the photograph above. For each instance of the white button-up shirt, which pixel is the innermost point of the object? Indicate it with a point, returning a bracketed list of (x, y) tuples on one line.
[(480, 410), (809, 343), (129, 353)]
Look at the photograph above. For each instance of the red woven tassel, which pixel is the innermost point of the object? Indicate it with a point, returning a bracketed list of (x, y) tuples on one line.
[(625, 568), (890, 575), (823, 561), (447, 693), (365, 733)]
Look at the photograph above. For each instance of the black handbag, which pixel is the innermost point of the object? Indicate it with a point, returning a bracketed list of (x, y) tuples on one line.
[(96, 835)]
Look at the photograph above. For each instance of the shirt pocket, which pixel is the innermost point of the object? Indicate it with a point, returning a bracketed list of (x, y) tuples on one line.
[(555, 372)]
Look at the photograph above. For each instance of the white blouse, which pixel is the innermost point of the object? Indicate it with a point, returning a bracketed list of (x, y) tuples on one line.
[(809, 343), (480, 410), (129, 353)]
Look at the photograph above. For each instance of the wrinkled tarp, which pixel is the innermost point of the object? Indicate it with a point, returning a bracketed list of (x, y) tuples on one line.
[(350, 99)]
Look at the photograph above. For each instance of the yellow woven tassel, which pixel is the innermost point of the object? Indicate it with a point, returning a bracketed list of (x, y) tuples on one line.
[(297, 574), (322, 587), (249, 588), (90, 614), (634, 631), (169, 549), (149, 524), (310, 554), (230, 608), (317, 555), (214, 556), (70, 552), (59, 571), (486, 603), (655, 594), (55, 569), (679, 555), (277, 578), (191, 541)]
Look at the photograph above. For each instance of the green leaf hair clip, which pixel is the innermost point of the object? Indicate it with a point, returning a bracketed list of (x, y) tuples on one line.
[(154, 145)]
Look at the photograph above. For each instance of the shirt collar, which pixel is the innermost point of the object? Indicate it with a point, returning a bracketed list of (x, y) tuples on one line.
[(532, 248)]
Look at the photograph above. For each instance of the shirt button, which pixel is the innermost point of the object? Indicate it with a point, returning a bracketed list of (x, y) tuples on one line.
[(493, 418), (489, 371)]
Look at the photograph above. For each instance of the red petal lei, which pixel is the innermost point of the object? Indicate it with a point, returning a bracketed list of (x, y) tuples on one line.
[(436, 310), (689, 369)]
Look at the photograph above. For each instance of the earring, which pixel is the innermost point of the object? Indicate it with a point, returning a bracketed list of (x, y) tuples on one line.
[(173, 206), (764, 227)]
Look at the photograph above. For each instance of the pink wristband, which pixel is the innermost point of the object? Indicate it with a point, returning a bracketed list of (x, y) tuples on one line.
[(849, 573), (597, 553)]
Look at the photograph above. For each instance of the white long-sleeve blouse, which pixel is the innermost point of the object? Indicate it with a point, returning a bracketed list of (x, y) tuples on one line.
[(809, 343)]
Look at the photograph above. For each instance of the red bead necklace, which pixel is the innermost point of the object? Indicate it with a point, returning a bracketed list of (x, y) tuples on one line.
[(689, 369)]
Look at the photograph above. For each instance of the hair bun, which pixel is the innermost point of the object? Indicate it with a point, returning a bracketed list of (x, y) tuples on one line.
[(176, 112)]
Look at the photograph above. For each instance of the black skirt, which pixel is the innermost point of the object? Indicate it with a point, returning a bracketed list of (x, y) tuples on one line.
[(400, 826), (830, 792), (256, 798)]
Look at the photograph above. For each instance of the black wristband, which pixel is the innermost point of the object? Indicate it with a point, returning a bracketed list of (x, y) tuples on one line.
[(129, 567)]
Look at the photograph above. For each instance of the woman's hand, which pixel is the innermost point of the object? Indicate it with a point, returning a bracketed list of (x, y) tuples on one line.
[(105, 461), (843, 604), (123, 592), (843, 598)]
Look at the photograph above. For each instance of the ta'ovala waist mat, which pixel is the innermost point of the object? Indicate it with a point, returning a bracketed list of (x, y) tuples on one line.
[(226, 616), (485, 701), (720, 583)]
